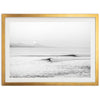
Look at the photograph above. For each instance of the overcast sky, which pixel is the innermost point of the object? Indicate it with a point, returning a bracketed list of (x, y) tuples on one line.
[(54, 34)]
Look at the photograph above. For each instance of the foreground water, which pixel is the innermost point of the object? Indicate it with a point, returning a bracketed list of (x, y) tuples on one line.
[(49, 63)]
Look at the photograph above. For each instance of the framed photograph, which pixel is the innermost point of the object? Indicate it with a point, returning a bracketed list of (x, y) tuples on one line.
[(50, 49)]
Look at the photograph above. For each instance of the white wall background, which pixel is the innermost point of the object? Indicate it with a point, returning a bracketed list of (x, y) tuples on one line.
[(49, 92)]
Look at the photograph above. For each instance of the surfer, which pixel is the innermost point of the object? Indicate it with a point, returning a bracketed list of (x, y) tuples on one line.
[(49, 59)]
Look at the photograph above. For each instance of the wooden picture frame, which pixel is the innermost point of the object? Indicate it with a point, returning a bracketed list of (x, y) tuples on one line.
[(11, 24)]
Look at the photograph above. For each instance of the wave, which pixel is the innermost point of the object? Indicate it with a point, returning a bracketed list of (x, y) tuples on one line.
[(69, 55)]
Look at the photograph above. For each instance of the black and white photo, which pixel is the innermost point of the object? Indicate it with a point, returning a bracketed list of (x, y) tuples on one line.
[(50, 49)]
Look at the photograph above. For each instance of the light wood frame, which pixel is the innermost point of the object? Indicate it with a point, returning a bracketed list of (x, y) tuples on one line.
[(51, 15)]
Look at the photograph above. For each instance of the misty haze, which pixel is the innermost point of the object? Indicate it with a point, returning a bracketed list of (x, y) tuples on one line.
[(50, 49)]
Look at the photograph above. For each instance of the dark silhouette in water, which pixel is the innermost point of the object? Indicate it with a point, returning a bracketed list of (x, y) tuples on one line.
[(49, 59), (73, 55)]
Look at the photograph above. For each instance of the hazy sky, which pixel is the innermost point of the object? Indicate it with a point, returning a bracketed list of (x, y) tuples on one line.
[(54, 34)]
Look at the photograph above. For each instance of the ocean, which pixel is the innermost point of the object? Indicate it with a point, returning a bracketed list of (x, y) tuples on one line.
[(49, 62)]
